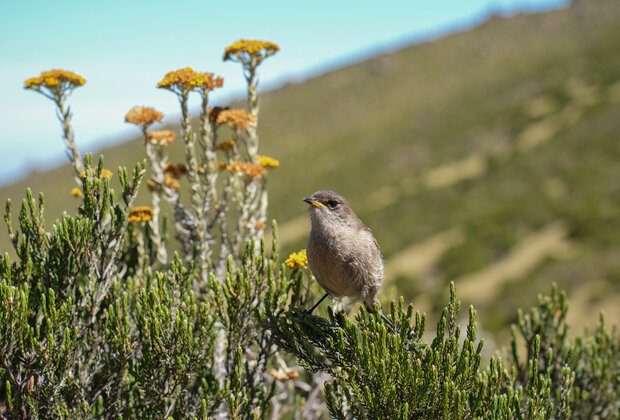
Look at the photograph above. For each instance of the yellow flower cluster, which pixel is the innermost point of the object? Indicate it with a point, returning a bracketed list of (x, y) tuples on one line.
[(104, 173), (215, 112), (55, 79), (140, 214), (282, 376), (248, 168), (238, 119), (225, 145), (248, 51), (172, 181), (143, 115), (172, 173), (260, 225), (76, 192), (267, 162), (161, 137), (187, 79), (297, 260), (176, 170)]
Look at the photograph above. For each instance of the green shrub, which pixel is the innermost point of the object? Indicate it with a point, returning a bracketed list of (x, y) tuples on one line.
[(98, 321), (380, 372)]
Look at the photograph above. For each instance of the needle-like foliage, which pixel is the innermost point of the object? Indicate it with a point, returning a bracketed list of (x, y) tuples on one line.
[(98, 320), (382, 372)]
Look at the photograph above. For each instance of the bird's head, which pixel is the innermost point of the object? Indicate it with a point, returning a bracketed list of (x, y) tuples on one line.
[(330, 207)]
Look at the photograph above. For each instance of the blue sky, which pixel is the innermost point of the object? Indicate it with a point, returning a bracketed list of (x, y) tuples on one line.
[(123, 48)]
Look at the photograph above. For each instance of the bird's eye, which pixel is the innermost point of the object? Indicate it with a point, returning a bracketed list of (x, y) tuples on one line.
[(332, 204)]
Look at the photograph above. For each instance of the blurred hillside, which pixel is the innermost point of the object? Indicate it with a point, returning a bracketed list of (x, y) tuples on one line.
[(489, 157)]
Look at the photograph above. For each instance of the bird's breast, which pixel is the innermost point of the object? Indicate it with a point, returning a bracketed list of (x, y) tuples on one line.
[(344, 264)]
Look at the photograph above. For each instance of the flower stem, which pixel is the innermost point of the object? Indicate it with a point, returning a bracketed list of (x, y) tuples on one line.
[(201, 245), (157, 163), (64, 116)]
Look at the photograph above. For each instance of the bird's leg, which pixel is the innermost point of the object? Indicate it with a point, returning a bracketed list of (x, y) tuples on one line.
[(370, 307), (387, 321), (316, 304)]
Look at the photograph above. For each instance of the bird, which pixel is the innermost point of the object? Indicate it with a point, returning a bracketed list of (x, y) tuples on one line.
[(342, 252)]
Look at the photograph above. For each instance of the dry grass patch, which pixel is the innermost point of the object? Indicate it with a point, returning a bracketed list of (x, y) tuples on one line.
[(485, 285)]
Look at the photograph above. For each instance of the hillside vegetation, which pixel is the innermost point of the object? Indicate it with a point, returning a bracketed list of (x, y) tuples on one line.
[(490, 158)]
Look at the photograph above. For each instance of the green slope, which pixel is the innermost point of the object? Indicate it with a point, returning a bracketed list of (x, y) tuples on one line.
[(503, 133)]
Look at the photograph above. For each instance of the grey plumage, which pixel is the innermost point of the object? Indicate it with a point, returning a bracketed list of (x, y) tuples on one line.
[(343, 254)]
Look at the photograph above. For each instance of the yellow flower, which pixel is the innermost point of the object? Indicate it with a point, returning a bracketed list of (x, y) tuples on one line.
[(267, 162), (187, 79), (260, 225), (297, 260), (238, 119), (225, 145), (250, 52), (248, 168), (56, 81), (161, 137), (172, 173), (76, 192), (215, 112), (283, 376), (140, 214), (176, 170), (172, 182), (143, 115), (104, 173)]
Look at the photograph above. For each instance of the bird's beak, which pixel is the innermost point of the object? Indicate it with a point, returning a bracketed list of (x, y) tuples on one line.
[(314, 203)]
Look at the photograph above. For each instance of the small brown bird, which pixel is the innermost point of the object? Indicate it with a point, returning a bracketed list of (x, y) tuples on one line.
[(342, 253)]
